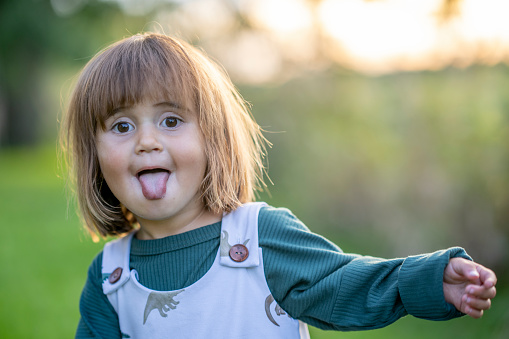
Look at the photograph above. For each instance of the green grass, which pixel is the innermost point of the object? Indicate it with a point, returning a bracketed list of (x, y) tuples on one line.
[(44, 256), (44, 253), (494, 325)]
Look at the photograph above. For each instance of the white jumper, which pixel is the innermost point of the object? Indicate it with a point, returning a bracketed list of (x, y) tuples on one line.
[(232, 300)]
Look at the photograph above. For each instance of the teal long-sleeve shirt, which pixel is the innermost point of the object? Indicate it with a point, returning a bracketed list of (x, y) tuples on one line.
[(308, 276)]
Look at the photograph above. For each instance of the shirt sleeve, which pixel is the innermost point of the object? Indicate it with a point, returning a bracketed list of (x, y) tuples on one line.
[(314, 281), (98, 318)]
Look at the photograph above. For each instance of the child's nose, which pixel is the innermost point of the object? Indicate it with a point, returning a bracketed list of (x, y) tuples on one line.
[(148, 141)]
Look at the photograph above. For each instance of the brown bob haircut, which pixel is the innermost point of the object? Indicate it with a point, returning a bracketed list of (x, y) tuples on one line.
[(150, 66)]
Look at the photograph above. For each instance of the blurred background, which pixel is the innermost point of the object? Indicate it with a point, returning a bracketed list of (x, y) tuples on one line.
[(389, 121)]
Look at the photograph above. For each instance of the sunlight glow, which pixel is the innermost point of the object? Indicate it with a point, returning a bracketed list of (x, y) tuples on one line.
[(381, 28), (280, 16), (374, 37), (380, 34), (485, 19), (393, 35)]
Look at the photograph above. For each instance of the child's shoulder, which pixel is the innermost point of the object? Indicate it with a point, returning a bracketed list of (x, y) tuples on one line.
[(280, 230), (279, 217), (95, 268)]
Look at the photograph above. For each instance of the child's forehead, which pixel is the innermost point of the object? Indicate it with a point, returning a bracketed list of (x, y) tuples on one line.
[(167, 97)]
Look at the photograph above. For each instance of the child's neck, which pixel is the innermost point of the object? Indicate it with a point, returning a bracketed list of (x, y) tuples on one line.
[(157, 229)]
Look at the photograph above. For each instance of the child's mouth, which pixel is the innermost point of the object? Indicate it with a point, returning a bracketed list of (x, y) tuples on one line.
[(153, 183)]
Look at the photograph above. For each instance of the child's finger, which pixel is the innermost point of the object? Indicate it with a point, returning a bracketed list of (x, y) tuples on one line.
[(476, 303), (481, 292), (471, 272), (466, 269), (486, 276), (474, 313)]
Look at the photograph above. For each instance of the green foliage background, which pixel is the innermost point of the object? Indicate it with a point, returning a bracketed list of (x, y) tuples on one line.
[(387, 166)]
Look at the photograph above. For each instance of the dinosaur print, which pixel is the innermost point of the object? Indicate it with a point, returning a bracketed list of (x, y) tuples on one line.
[(278, 309), (162, 301), (225, 245)]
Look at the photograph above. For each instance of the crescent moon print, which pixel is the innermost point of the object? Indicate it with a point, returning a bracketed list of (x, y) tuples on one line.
[(278, 309)]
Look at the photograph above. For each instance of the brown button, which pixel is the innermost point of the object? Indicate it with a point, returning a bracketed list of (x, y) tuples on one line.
[(115, 276), (239, 253)]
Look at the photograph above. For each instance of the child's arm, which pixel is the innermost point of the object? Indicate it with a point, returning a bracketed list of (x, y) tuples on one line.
[(313, 281), (469, 286)]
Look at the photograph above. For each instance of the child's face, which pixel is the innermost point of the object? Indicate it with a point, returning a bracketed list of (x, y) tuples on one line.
[(153, 160)]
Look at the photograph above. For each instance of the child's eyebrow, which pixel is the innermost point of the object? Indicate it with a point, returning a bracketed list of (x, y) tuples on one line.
[(173, 106), (119, 109)]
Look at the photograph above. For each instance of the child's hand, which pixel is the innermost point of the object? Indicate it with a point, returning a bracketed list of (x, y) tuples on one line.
[(469, 286)]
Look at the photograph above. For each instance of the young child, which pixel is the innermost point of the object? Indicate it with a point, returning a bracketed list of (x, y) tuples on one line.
[(166, 156)]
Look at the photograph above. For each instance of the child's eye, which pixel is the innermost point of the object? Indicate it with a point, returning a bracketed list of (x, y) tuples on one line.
[(171, 122), (122, 127)]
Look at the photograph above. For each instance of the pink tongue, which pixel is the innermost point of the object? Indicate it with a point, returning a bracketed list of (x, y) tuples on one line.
[(153, 184)]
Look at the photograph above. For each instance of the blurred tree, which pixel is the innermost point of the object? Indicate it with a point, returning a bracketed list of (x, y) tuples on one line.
[(24, 34), (35, 37)]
